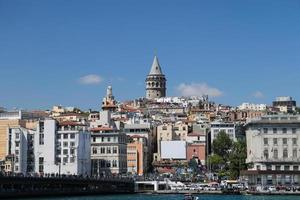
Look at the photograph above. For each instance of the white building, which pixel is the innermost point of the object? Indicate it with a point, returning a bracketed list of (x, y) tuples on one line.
[(217, 127), (273, 150), (20, 143), (62, 148), (251, 106)]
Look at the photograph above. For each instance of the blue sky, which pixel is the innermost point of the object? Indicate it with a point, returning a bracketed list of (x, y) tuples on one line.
[(237, 51)]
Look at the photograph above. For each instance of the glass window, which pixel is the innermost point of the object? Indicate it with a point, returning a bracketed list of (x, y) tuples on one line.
[(294, 130), (286, 168), (72, 136), (102, 150), (294, 153), (277, 167), (269, 167), (275, 142), (65, 136), (72, 144), (274, 130), (65, 160), (65, 144), (72, 160), (284, 141), (265, 130), (275, 154), (115, 150), (284, 130), (108, 150), (294, 141), (266, 153), (295, 168), (285, 153), (65, 151), (265, 141)]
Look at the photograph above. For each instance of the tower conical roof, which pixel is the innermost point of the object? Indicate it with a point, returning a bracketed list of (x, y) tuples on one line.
[(155, 68)]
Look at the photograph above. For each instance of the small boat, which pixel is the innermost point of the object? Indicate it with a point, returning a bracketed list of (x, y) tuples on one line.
[(190, 197)]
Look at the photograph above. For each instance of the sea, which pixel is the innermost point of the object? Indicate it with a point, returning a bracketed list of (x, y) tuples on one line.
[(175, 197)]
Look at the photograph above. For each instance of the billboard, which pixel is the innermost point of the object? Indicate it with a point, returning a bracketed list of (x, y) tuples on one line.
[(175, 150)]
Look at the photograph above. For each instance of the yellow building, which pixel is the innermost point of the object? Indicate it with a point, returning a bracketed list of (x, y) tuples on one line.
[(4, 126)]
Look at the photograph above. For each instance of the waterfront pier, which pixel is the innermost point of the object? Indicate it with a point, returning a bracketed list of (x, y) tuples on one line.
[(14, 187)]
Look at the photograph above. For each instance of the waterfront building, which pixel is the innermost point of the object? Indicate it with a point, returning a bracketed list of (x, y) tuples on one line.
[(285, 104), (218, 126), (137, 155), (155, 81), (62, 148), (20, 151), (14, 119), (108, 151), (273, 146)]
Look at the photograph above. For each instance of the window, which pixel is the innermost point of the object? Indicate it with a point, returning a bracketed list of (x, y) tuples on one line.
[(65, 159), (286, 168), (94, 150), (274, 130), (265, 130), (295, 168), (108, 150), (72, 160), (269, 167), (266, 154), (17, 144), (183, 128), (294, 153), (284, 141), (164, 128), (275, 154), (294, 141), (65, 151), (257, 167), (72, 144), (17, 152), (285, 153), (294, 130), (115, 150), (102, 150), (65, 136), (108, 164), (65, 144), (108, 139), (284, 130), (265, 141), (275, 142), (114, 163), (72, 136), (41, 139), (72, 151), (94, 139), (277, 167)]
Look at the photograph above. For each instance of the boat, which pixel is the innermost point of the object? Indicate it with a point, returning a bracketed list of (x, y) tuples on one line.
[(190, 197)]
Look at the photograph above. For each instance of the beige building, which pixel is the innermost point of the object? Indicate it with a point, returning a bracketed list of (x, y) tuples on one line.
[(170, 132)]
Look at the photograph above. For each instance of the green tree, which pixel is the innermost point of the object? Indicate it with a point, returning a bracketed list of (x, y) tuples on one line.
[(216, 162), (237, 159), (222, 145)]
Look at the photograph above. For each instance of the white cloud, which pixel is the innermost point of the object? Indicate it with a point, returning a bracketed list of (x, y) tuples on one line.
[(258, 94), (198, 89), (91, 79)]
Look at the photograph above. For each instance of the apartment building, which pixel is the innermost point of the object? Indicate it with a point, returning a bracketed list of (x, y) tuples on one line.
[(273, 150)]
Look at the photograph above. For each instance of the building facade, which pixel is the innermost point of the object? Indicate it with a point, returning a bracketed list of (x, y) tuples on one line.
[(62, 148), (273, 150)]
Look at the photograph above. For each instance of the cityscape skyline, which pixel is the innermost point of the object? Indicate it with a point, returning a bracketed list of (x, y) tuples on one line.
[(69, 54)]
